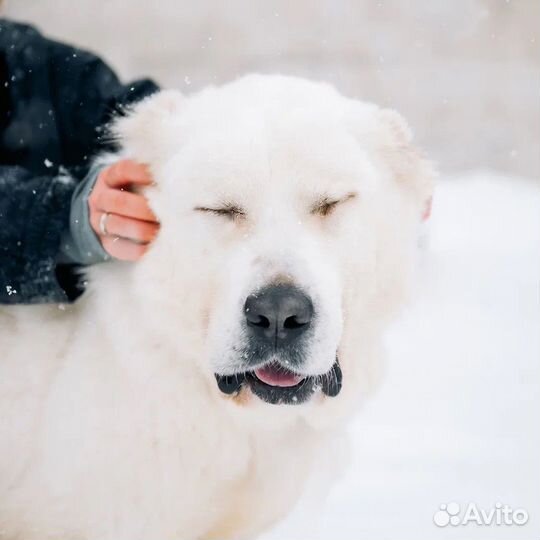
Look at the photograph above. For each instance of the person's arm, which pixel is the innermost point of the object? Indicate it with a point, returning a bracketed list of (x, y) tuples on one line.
[(38, 214), (55, 102), (34, 212)]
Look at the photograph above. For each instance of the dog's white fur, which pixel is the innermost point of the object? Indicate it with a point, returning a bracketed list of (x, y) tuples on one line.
[(111, 423)]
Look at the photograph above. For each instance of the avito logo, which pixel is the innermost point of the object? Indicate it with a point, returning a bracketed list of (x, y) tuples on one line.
[(498, 515)]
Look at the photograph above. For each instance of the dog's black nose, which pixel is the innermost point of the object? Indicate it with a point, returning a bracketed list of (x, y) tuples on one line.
[(278, 314)]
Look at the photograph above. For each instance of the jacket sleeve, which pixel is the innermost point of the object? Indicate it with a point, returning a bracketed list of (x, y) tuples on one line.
[(80, 244), (34, 211)]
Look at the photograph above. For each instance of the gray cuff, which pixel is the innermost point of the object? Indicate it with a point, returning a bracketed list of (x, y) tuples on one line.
[(80, 245)]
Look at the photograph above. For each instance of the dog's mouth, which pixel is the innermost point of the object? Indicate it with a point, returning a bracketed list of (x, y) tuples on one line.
[(277, 384)]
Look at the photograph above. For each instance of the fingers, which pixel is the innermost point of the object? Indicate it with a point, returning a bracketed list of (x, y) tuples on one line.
[(125, 172), (130, 225), (122, 249), (142, 232), (123, 203)]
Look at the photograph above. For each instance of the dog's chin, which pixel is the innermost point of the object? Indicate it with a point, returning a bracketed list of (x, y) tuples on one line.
[(275, 384)]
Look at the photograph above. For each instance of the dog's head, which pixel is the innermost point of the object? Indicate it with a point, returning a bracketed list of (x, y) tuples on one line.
[(288, 217)]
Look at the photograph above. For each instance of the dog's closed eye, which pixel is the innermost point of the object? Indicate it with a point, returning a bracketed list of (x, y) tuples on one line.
[(230, 211), (326, 205)]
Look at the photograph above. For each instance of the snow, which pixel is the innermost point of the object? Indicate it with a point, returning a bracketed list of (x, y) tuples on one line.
[(457, 417), (10, 290)]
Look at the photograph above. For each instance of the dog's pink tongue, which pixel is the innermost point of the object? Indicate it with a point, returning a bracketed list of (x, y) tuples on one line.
[(275, 376)]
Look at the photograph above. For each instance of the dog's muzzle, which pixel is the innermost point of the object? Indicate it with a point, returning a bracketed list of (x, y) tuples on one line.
[(279, 323)]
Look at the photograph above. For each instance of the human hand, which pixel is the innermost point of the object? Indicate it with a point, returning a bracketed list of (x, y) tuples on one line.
[(122, 219)]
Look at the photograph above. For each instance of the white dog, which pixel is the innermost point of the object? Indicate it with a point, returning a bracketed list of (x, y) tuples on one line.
[(186, 396)]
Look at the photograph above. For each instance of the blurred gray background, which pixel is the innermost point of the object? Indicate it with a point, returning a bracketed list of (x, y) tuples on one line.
[(465, 73)]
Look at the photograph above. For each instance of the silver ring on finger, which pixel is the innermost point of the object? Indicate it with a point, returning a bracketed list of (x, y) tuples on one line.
[(103, 223)]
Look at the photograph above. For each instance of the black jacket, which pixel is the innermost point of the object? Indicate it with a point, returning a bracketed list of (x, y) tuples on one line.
[(55, 101)]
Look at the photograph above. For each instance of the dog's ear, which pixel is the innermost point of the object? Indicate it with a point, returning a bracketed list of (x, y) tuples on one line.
[(144, 131), (390, 140), (406, 162)]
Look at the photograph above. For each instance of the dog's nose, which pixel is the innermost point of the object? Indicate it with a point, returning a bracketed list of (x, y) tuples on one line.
[(278, 314)]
